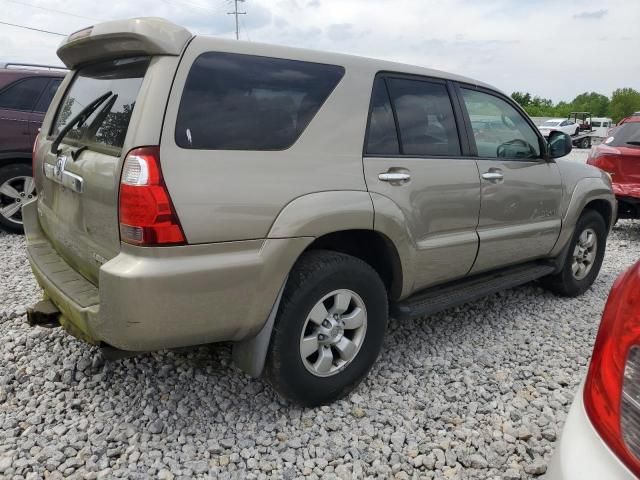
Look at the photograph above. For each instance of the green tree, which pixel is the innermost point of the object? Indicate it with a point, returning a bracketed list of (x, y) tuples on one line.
[(593, 102), (523, 99), (624, 102)]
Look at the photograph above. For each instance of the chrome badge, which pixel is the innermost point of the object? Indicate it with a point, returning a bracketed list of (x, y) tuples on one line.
[(58, 168)]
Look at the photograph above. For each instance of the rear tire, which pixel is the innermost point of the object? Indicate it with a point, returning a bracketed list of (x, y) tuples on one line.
[(323, 344), (16, 188), (584, 258)]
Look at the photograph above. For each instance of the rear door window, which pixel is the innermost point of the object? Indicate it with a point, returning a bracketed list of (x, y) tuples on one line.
[(426, 123), (247, 102), (23, 94), (105, 128), (47, 96), (382, 137)]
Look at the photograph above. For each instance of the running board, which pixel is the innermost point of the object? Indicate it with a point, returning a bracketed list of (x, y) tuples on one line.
[(466, 290)]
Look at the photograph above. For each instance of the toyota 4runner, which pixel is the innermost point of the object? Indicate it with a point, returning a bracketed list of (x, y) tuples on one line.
[(195, 190)]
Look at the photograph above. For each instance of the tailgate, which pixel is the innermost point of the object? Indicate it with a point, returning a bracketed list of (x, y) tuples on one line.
[(78, 181)]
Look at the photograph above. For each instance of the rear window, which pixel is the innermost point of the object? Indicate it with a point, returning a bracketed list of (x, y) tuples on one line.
[(246, 102), (107, 126), (627, 134)]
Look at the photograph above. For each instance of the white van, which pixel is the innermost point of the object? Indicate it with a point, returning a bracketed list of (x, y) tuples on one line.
[(601, 126)]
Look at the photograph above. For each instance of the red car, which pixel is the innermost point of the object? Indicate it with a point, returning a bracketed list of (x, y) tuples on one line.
[(619, 155)]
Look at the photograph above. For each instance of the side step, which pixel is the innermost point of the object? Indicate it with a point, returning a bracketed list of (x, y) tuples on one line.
[(466, 290)]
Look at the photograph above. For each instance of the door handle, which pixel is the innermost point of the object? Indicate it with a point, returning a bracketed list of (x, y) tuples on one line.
[(492, 176), (395, 177)]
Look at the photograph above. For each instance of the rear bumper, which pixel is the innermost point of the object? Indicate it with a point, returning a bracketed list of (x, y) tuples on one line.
[(581, 454), (155, 298)]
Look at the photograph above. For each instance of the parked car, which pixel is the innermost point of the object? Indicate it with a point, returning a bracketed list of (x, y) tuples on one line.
[(601, 436), (219, 191), (25, 93), (619, 156), (563, 125)]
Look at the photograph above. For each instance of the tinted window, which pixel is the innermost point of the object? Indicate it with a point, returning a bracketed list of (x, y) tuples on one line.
[(245, 102), (627, 134), (425, 118), (23, 94), (108, 125), (504, 132), (596, 124), (382, 137), (47, 96)]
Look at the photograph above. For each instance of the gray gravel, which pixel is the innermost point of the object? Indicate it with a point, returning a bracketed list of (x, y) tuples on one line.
[(480, 391)]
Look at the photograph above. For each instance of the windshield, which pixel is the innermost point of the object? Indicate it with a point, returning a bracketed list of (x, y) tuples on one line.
[(551, 123), (107, 126), (625, 135)]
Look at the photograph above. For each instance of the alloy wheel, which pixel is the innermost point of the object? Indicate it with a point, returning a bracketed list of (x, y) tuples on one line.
[(13, 194), (584, 253), (333, 333)]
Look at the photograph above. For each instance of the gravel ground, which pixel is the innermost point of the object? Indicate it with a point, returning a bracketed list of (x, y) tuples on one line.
[(476, 392)]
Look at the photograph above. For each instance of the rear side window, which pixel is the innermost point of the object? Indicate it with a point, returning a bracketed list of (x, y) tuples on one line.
[(425, 118), (382, 138), (107, 125), (246, 102), (23, 94), (627, 134), (47, 96)]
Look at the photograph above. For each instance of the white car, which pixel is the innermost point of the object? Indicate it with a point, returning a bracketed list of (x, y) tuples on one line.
[(563, 125), (601, 437)]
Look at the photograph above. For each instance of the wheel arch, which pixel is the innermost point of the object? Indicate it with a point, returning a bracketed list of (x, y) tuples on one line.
[(372, 247)]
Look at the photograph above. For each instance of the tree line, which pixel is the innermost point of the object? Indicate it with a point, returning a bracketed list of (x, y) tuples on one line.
[(623, 102)]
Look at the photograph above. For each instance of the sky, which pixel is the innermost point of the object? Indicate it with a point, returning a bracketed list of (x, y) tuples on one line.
[(552, 48)]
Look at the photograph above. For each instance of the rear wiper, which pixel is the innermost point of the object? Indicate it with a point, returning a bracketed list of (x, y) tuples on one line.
[(633, 142), (81, 117), (95, 125)]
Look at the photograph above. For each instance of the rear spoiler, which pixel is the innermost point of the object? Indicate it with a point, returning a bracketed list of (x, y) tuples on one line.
[(123, 38)]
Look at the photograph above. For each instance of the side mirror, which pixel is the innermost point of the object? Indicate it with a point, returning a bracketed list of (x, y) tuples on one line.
[(560, 144)]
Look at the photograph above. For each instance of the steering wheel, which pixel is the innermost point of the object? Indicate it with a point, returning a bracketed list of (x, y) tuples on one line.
[(518, 142)]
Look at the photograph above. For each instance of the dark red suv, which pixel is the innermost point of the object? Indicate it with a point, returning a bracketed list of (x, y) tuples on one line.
[(620, 156), (25, 94)]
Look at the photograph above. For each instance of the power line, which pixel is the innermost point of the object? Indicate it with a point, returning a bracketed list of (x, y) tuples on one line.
[(236, 13), (47, 9), (34, 29)]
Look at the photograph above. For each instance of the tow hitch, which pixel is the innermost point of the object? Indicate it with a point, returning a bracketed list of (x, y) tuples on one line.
[(44, 314)]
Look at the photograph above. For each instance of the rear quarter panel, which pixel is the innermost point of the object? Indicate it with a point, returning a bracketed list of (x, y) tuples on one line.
[(224, 195)]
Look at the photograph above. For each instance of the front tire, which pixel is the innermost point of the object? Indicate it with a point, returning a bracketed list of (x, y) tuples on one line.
[(16, 188), (329, 329), (584, 258)]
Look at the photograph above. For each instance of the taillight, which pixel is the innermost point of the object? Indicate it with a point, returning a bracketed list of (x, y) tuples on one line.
[(147, 216), (604, 159), (612, 388)]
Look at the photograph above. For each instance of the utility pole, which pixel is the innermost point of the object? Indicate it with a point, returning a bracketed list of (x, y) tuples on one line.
[(236, 13)]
